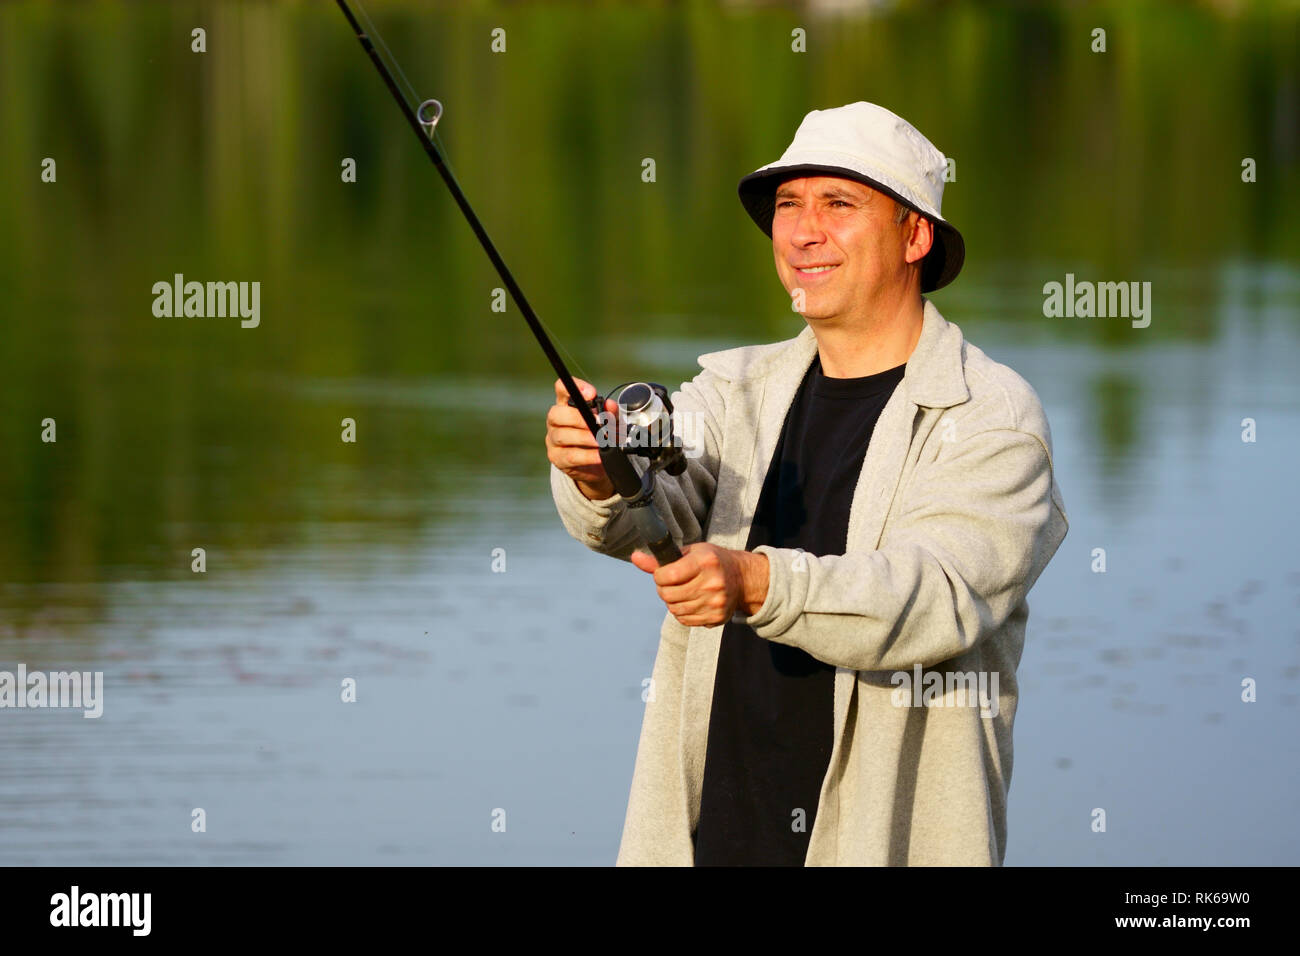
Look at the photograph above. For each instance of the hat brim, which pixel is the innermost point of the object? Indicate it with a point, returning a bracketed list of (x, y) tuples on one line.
[(942, 262)]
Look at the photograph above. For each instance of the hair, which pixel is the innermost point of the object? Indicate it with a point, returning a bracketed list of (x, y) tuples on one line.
[(901, 214)]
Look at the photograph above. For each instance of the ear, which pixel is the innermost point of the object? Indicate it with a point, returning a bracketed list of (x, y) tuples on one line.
[(920, 237)]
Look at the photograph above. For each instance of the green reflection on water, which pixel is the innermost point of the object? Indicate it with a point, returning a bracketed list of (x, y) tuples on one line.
[(226, 166)]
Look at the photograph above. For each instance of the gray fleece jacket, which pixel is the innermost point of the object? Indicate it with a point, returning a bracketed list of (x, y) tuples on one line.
[(955, 515)]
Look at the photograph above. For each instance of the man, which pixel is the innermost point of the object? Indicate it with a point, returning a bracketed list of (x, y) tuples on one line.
[(868, 506)]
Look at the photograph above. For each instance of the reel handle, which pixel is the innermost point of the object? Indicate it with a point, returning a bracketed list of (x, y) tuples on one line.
[(597, 404)]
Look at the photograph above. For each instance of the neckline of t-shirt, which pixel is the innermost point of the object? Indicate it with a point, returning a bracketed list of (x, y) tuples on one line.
[(861, 387)]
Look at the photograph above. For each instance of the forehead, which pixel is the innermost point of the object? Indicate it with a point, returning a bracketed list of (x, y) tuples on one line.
[(823, 186)]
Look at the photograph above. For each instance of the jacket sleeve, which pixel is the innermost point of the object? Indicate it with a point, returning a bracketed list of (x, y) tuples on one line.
[(977, 528), (683, 501)]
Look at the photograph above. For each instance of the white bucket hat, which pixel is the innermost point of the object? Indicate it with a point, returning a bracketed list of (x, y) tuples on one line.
[(871, 145)]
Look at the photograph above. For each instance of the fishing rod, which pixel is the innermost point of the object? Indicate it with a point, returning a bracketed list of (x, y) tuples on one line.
[(644, 404)]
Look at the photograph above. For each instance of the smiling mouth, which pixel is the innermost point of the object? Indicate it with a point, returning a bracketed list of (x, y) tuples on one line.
[(815, 270)]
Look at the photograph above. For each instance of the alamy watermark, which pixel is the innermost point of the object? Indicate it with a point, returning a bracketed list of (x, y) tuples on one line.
[(82, 690), (75, 908), (1085, 299), (210, 300), (685, 430), (946, 689)]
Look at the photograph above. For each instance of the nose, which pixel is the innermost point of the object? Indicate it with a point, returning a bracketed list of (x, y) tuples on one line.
[(807, 228)]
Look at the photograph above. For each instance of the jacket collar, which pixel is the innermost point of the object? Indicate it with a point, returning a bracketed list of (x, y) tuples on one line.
[(934, 376)]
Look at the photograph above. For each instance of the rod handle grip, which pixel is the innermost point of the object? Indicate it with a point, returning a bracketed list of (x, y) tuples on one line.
[(654, 533), (665, 551)]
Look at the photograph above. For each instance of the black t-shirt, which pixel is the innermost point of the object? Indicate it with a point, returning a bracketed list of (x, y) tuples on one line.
[(771, 724)]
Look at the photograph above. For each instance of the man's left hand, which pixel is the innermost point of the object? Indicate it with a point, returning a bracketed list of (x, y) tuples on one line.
[(708, 584)]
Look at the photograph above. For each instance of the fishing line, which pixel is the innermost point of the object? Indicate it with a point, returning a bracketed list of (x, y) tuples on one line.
[(646, 403), (411, 96), (373, 31)]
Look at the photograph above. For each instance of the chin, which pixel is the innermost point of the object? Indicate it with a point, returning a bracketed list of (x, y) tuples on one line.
[(818, 310)]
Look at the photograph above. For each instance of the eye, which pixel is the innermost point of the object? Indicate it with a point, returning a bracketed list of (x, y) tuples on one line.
[(839, 202), (783, 203)]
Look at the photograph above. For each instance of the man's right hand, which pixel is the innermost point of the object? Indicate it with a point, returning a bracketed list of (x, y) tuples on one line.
[(572, 447)]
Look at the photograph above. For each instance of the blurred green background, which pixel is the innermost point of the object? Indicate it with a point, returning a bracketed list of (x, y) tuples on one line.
[(226, 166), (175, 433)]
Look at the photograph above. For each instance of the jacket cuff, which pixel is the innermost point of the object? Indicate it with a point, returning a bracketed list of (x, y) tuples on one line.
[(787, 590), (584, 516)]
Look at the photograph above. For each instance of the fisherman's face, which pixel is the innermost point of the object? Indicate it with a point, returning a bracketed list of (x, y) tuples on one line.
[(825, 221)]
